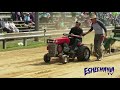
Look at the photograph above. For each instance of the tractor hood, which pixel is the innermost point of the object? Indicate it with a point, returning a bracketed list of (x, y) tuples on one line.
[(62, 40)]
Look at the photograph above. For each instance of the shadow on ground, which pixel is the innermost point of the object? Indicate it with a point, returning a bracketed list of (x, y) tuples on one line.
[(57, 62)]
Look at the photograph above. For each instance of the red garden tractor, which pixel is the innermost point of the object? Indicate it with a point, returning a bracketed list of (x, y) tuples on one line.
[(61, 47)]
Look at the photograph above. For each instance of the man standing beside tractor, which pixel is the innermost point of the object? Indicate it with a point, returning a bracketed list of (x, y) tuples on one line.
[(99, 28)]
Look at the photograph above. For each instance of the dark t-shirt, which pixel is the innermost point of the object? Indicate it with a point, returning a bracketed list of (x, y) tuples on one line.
[(76, 31)]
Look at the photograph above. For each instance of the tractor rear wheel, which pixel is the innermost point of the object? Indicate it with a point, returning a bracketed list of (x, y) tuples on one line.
[(84, 52)]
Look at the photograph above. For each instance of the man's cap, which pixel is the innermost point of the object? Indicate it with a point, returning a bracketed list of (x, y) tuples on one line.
[(27, 13), (93, 16)]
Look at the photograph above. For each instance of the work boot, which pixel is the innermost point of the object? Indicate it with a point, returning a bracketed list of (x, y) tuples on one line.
[(99, 58)]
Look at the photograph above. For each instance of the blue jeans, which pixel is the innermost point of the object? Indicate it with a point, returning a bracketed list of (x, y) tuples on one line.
[(75, 41)]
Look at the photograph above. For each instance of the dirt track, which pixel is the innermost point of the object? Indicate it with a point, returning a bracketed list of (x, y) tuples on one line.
[(28, 63)]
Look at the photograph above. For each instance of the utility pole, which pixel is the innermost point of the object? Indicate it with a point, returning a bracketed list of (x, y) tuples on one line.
[(37, 24)]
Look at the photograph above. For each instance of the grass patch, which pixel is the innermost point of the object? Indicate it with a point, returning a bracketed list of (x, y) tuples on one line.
[(13, 45)]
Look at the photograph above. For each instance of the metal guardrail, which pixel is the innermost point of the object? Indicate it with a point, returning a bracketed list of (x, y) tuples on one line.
[(43, 33)]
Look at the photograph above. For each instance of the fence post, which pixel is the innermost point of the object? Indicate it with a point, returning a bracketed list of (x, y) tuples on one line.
[(24, 41), (4, 44), (44, 35), (36, 24)]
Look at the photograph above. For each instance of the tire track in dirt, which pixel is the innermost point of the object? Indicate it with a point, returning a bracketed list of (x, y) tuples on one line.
[(56, 71), (30, 64)]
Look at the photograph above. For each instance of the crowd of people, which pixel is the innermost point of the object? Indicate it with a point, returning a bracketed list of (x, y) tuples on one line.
[(44, 17), (108, 18), (9, 26), (21, 16)]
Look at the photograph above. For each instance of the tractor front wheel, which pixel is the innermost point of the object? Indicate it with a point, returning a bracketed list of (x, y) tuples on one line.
[(64, 59), (46, 58)]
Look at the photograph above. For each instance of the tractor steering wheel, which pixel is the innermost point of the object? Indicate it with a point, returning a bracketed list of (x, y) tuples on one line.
[(70, 35)]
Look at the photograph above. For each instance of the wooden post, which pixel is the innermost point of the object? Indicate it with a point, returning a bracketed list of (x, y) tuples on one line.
[(44, 35), (36, 24), (1, 30), (4, 44), (24, 42)]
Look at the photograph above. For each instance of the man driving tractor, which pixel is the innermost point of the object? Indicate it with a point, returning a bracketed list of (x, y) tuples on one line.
[(76, 31), (65, 50)]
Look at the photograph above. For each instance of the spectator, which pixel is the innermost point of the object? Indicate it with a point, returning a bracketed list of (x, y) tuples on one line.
[(111, 18), (6, 27), (51, 16), (18, 16), (32, 16), (118, 18), (63, 14), (1, 25), (76, 19), (13, 27), (27, 18), (13, 16), (22, 15), (47, 17), (62, 24), (1, 21)]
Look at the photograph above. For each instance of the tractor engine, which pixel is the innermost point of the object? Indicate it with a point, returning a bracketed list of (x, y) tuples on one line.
[(66, 48), (58, 45)]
